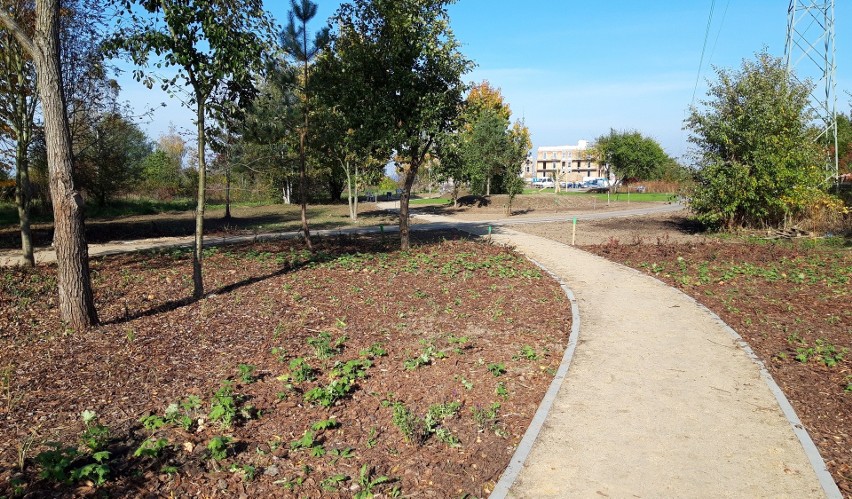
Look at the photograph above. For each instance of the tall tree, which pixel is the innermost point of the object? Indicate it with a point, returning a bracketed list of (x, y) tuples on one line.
[(629, 154), (212, 44), (113, 161), (76, 301), (758, 160), (406, 71), (18, 102), (294, 39)]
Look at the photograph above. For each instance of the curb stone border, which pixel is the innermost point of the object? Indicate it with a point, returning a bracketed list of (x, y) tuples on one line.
[(522, 452)]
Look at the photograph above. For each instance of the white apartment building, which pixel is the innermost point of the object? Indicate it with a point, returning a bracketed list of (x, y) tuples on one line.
[(564, 163)]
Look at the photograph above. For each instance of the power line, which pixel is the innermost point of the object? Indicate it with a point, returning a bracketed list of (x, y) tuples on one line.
[(703, 50)]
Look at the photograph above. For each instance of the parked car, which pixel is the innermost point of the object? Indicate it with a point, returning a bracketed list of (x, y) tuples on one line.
[(543, 183)]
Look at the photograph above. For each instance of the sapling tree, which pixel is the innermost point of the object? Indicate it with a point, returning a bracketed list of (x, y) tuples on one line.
[(405, 68), (294, 40), (210, 45)]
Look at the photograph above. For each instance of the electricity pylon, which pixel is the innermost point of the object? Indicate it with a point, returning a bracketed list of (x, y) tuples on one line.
[(810, 54)]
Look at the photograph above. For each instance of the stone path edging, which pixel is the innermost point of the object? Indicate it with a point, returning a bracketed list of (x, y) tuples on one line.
[(524, 448)]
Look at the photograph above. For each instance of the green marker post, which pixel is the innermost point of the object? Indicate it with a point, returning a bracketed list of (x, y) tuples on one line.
[(573, 231)]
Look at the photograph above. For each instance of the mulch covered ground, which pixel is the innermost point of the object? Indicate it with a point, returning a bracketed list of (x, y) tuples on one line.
[(791, 303), (360, 369)]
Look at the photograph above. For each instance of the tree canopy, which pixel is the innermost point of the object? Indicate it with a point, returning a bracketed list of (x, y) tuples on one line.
[(405, 67), (631, 155), (213, 57), (758, 159)]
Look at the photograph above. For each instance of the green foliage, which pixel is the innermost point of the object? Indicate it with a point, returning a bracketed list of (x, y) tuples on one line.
[(375, 350), (497, 369), (66, 464), (95, 436), (485, 417), (759, 161), (151, 448), (301, 371), (223, 405), (631, 155), (219, 446), (368, 482), (417, 430), (823, 350), (527, 352), (403, 84), (246, 371), (56, 463), (323, 347), (429, 353)]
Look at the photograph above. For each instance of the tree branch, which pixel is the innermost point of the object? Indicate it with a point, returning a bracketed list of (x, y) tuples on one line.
[(18, 32)]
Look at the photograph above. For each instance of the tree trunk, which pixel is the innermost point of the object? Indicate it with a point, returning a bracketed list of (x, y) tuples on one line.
[(76, 301), (302, 179), (356, 193), (227, 193), (488, 186), (455, 194), (345, 166), (23, 196), (410, 175), (197, 278)]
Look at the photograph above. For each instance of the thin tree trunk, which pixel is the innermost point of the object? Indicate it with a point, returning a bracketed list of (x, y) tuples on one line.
[(302, 179), (488, 186), (410, 175), (345, 166), (197, 278), (227, 193), (23, 195), (356, 192), (76, 300)]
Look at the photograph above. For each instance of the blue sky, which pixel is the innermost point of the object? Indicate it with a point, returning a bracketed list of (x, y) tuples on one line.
[(573, 70)]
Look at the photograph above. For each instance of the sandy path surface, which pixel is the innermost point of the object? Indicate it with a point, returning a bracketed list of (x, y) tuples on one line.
[(659, 400)]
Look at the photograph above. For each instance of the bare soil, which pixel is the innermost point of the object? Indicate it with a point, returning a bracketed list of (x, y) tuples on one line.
[(430, 360)]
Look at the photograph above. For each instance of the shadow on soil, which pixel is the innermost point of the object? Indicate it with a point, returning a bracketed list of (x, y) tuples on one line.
[(326, 249)]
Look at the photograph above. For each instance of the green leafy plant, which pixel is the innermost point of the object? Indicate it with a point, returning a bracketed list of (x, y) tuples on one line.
[(375, 350), (151, 448), (219, 446), (333, 482), (527, 352), (408, 423), (301, 371), (425, 358), (501, 390), (247, 471), (95, 436), (223, 405), (323, 347), (368, 482), (497, 369), (485, 417), (246, 373), (56, 463)]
